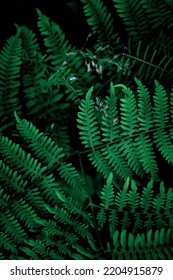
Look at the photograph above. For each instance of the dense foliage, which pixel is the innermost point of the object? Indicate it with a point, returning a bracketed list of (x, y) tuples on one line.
[(85, 134)]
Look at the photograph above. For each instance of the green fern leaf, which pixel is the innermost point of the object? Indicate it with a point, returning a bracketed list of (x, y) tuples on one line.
[(161, 107), (18, 159), (133, 15), (117, 161), (144, 107), (100, 21), (107, 193), (54, 40), (128, 120), (101, 217), (89, 132), (133, 197), (146, 155), (44, 148), (146, 197), (9, 78), (110, 126), (121, 197)]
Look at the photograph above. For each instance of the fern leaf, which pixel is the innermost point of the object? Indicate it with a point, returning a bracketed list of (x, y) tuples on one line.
[(9, 78), (44, 148), (146, 197), (82, 251), (133, 15), (78, 189), (88, 129), (18, 159), (161, 107), (113, 221), (169, 201), (34, 75), (107, 193), (158, 15), (9, 177), (110, 126), (54, 40), (159, 201), (6, 243), (161, 120), (128, 150), (164, 144), (117, 161), (100, 21), (133, 197), (128, 118), (144, 60), (101, 217), (29, 41), (146, 155), (24, 212), (37, 247), (121, 197), (99, 161), (144, 107), (11, 227)]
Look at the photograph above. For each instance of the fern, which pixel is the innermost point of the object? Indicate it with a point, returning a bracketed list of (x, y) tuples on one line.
[(9, 78), (138, 152), (100, 21), (90, 135), (69, 215), (84, 132), (133, 15)]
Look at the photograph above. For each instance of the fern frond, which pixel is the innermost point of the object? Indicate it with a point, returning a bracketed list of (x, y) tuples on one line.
[(133, 16), (144, 107), (158, 15), (44, 148), (77, 189), (35, 76), (164, 144), (59, 134), (7, 244), (54, 40), (128, 120), (30, 46), (146, 63), (64, 58), (11, 178), (37, 248), (100, 21), (153, 245), (146, 155), (11, 227), (87, 122), (107, 193), (121, 197), (24, 212), (146, 197), (161, 107), (18, 158), (100, 163), (101, 217), (128, 150), (10, 78), (117, 161), (133, 198), (109, 125)]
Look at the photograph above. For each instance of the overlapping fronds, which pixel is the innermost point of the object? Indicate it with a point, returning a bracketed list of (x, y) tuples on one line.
[(83, 132), (130, 147)]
